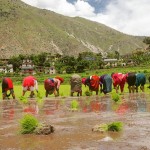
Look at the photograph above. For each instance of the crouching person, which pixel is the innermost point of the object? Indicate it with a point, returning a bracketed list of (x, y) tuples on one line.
[(131, 79), (52, 86), (105, 83), (92, 82), (76, 85), (30, 84), (7, 85), (140, 81), (119, 80)]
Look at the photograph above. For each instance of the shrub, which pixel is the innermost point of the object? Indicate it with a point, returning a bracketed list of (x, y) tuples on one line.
[(28, 124)]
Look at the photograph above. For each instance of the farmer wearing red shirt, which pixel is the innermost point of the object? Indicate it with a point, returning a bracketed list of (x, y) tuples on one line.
[(92, 82), (30, 84), (7, 85), (119, 80), (52, 85)]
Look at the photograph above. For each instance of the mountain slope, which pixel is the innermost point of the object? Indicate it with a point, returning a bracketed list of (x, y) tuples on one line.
[(29, 30)]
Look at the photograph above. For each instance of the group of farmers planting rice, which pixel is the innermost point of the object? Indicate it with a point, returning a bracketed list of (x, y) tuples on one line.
[(94, 82)]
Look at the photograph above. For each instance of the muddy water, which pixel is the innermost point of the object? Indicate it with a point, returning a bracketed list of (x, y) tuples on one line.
[(73, 128)]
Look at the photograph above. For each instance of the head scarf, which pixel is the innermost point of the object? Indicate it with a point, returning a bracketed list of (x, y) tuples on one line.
[(59, 78), (83, 80)]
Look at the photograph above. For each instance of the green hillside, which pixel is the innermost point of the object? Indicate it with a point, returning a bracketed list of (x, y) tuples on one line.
[(29, 30)]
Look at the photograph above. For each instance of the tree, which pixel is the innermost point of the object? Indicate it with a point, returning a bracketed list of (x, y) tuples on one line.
[(147, 41), (117, 55), (16, 62)]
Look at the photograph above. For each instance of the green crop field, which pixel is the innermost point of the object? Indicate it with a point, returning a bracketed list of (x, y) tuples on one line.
[(65, 87), (64, 91)]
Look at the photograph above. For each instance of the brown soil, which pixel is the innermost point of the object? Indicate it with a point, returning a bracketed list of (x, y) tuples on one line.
[(73, 129)]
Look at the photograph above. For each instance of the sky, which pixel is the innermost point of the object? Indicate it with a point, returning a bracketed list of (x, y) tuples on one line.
[(128, 16)]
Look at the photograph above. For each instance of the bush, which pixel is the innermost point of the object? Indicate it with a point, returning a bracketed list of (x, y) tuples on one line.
[(28, 124), (69, 70)]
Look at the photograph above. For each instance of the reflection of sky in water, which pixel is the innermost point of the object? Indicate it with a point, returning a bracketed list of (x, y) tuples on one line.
[(142, 105)]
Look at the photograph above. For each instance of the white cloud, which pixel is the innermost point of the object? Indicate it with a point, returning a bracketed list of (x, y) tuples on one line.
[(128, 16)]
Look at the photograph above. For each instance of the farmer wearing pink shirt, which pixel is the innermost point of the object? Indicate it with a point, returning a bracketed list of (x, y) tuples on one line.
[(119, 80), (57, 81)]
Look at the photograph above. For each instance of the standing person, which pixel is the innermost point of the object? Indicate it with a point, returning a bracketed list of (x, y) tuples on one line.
[(7, 85), (105, 83), (30, 84), (119, 80), (131, 79), (76, 84), (140, 81), (52, 85), (92, 82)]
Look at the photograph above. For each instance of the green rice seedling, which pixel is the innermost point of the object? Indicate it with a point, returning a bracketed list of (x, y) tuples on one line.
[(74, 105), (115, 97), (115, 126), (28, 124), (61, 94), (88, 93), (39, 95), (23, 99), (39, 99), (87, 101)]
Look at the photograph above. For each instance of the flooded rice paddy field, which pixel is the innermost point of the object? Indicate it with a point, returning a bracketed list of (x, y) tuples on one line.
[(73, 128)]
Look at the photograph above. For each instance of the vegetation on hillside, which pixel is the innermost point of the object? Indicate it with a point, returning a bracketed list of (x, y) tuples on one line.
[(29, 30)]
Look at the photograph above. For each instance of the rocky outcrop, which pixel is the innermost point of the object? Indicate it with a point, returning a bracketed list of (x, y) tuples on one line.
[(44, 129)]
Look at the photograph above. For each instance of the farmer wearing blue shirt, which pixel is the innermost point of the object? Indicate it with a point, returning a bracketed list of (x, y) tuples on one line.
[(140, 81)]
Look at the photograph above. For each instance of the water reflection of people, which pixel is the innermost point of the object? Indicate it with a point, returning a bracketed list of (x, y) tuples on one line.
[(32, 108), (8, 110), (122, 108), (50, 106)]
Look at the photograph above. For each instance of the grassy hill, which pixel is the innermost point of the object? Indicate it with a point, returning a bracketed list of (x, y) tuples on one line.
[(29, 30)]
